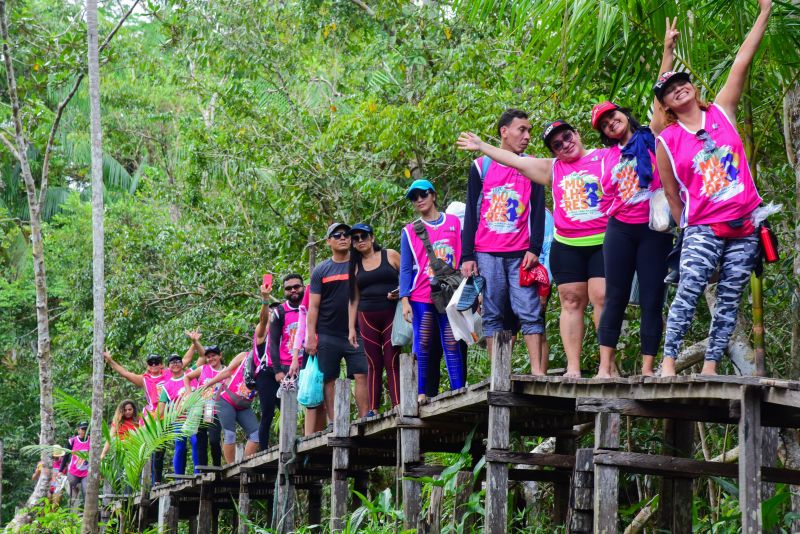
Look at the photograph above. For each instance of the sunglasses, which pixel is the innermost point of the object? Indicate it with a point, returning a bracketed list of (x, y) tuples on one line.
[(153, 364), (559, 144), (358, 238), (338, 235), (708, 143), (418, 194), (296, 287)]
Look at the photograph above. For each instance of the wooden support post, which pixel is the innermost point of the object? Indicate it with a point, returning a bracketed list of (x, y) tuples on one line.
[(143, 518), (206, 510), (565, 445), (673, 513), (168, 514), (496, 521), (606, 477), (361, 485), (750, 460), (340, 461), (315, 505), (431, 523), (283, 520), (409, 439), (244, 501), (580, 516), (463, 491)]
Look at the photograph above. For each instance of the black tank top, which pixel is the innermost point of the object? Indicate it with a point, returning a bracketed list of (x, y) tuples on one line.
[(375, 284)]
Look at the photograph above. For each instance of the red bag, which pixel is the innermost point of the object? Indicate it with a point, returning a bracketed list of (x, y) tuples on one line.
[(535, 275), (733, 229)]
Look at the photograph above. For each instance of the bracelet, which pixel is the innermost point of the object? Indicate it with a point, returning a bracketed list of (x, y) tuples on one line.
[(266, 302)]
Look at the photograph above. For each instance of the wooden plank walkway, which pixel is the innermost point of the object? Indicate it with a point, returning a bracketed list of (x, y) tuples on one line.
[(586, 481)]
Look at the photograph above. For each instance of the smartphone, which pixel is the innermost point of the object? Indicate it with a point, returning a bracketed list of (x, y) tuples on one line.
[(267, 280)]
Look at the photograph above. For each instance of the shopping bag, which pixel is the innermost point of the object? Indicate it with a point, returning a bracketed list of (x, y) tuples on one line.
[(402, 332), (659, 211), (464, 324), (310, 384)]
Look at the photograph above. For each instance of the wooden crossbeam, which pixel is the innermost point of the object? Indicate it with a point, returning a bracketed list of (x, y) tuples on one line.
[(560, 461)]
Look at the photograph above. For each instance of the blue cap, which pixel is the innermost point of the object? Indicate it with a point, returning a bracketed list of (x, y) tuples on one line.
[(361, 227), (422, 185)]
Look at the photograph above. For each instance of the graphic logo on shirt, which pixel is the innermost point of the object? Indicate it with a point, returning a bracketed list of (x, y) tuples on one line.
[(443, 251), (243, 391), (290, 332), (720, 172), (504, 209), (581, 196), (624, 177)]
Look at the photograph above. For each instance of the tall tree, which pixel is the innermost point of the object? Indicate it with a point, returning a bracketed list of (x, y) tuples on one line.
[(90, 508)]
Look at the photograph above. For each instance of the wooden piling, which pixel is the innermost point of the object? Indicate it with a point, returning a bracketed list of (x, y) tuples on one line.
[(496, 521), (315, 505), (244, 501), (580, 516), (750, 460), (673, 513), (463, 491), (284, 518), (606, 477), (143, 518), (409, 439), (340, 461), (205, 512), (561, 490)]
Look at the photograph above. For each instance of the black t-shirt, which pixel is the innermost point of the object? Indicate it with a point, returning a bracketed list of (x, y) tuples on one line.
[(330, 280)]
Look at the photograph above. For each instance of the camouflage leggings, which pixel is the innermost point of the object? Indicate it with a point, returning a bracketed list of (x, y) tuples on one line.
[(702, 253)]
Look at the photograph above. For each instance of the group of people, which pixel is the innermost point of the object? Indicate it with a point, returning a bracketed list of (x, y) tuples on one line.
[(597, 236)]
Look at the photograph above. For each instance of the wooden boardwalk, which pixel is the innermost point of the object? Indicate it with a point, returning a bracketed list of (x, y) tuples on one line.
[(586, 480)]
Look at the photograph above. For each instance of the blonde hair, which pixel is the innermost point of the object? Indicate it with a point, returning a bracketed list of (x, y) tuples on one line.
[(671, 118), (119, 413)]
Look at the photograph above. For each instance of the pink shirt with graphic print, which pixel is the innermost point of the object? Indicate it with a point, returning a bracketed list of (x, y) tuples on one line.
[(445, 239)]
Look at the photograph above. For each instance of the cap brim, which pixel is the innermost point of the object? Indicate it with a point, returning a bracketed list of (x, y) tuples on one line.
[(554, 131), (677, 77)]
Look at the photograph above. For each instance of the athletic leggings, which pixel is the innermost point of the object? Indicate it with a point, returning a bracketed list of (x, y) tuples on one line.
[(267, 389), (425, 317), (209, 437), (702, 252), (179, 459), (376, 331), (630, 248)]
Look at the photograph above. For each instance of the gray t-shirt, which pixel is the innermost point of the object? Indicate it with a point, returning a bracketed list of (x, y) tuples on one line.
[(331, 280)]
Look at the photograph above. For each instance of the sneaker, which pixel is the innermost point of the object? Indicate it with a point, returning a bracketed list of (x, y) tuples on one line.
[(371, 413)]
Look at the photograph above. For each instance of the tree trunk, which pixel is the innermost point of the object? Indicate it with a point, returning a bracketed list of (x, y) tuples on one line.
[(90, 510), (46, 423)]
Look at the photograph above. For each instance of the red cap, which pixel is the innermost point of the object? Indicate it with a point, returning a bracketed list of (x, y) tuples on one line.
[(599, 109)]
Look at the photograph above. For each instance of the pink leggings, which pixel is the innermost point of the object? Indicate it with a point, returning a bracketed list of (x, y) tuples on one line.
[(376, 331)]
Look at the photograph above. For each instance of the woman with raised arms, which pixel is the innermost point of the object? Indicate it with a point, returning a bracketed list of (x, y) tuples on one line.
[(710, 190)]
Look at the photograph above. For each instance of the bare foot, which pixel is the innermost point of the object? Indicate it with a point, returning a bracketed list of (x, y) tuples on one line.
[(422, 399), (614, 371), (709, 368), (603, 375), (668, 367), (648, 372), (572, 374)]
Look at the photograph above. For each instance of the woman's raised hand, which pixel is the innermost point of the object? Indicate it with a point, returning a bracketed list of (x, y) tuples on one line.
[(469, 141), (671, 35)]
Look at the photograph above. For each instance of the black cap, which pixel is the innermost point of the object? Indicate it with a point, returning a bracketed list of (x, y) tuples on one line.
[(174, 357), (335, 226), (361, 227), (212, 348), (553, 128), (666, 79), (154, 359), (83, 424)]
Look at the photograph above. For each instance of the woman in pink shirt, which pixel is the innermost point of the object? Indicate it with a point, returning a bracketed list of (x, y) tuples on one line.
[(707, 181), (576, 259)]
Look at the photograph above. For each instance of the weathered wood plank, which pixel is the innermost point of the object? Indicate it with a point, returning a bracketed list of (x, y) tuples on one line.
[(340, 461), (580, 516), (244, 502), (606, 477), (564, 447), (750, 460), (561, 461), (409, 438), (496, 521), (673, 514), (463, 491), (206, 512)]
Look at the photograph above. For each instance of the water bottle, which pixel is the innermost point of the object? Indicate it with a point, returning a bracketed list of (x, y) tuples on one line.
[(769, 244), (208, 411)]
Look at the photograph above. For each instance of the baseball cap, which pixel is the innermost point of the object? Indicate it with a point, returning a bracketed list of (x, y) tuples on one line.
[(553, 128), (154, 359), (212, 348), (422, 185), (174, 357), (361, 227), (83, 424), (335, 226), (599, 110), (666, 79)]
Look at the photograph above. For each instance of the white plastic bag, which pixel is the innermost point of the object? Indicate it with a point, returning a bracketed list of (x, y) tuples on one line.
[(402, 333), (467, 325), (659, 211)]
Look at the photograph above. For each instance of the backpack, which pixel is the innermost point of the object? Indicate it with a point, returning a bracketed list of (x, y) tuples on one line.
[(445, 278), (251, 365)]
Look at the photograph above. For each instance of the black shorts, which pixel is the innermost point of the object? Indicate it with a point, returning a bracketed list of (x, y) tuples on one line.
[(576, 264), (331, 350)]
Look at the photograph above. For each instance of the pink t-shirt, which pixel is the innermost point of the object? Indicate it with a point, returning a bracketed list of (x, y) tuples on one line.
[(236, 384), (174, 387), (504, 222), (623, 199), (78, 466), (716, 186), (291, 324), (445, 240), (207, 373), (152, 389), (577, 195)]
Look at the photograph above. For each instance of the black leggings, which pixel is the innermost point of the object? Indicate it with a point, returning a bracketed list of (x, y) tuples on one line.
[(628, 248), (210, 436), (267, 389)]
